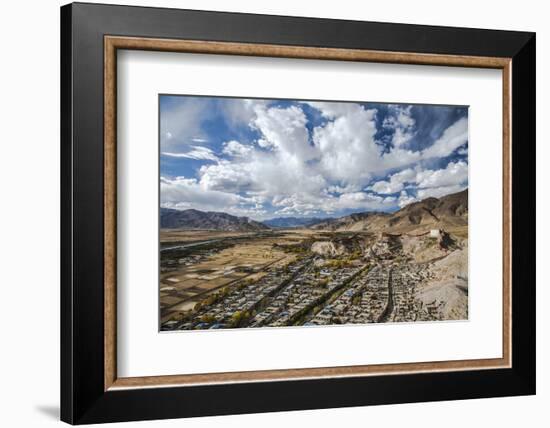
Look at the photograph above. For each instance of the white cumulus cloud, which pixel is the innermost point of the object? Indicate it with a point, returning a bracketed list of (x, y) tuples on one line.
[(400, 120), (184, 193), (234, 148), (301, 172), (438, 192), (451, 179), (453, 137), (454, 173), (396, 183)]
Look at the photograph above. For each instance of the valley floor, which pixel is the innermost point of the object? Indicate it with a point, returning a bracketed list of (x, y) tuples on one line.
[(303, 277)]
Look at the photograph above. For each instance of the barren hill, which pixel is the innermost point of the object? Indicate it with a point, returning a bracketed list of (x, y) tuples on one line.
[(449, 212), (353, 222)]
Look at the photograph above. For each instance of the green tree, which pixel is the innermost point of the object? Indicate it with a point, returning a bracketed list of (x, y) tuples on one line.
[(239, 318), (208, 318)]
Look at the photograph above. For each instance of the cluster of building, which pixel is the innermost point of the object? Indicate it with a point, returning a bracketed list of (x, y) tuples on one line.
[(238, 304), (310, 288), (284, 296), (386, 293), (313, 291), (363, 302), (406, 307)]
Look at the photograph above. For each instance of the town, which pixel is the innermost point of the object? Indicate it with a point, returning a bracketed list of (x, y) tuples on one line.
[(301, 278)]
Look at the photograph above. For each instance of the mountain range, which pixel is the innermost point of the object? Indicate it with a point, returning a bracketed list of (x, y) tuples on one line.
[(284, 222), (210, 220), (446, 212)]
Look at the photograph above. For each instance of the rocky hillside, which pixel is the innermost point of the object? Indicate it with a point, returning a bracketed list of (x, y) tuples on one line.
[(448, 212), (352, 222), (195, 219)]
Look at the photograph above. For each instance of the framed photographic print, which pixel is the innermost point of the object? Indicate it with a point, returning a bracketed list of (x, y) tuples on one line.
[(306, 256), (265, 213)]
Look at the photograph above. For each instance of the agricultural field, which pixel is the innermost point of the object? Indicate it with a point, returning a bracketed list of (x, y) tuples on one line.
[(197, 263)]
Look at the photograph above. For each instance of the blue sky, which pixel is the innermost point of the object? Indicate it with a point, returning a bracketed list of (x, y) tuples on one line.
[(265, 158)]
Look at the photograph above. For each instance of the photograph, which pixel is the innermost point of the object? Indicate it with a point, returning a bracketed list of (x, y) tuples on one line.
[(280, 212)]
